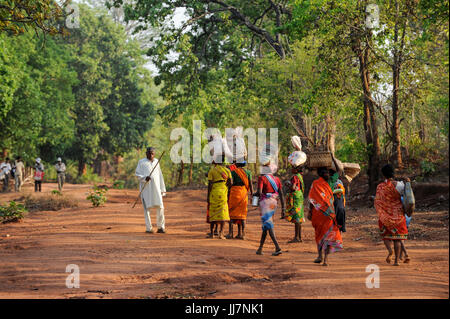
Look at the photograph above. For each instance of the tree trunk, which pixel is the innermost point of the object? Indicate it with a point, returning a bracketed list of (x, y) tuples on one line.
[(422, 133), (81, 168), (191, 170), (370, 124), (396, 150), (180, 174), (331, 134)]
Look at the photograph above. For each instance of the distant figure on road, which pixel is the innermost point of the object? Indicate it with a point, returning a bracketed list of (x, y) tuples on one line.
[(38, 175), (61, 173), (5, 168), (154, 190), (19, 174)]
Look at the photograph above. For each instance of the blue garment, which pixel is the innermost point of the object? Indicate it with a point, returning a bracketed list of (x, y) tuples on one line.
[(408, 219)]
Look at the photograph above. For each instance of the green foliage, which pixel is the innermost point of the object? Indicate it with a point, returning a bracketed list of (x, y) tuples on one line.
[(119, 184), (97, 196), (56, 192), (88, 178), (16, 16), (12, 212), (427, 167)]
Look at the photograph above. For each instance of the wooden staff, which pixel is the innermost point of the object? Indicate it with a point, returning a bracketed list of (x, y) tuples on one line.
[(146, 182)]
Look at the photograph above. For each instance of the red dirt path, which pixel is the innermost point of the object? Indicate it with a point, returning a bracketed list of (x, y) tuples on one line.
[(117, 259)]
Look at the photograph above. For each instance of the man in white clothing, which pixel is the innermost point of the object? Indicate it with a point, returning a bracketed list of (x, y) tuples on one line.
[(61, 173), (154, 190)]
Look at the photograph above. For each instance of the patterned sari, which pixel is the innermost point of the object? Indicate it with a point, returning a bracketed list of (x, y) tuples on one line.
[(268, 204), (218, 197), (323, 216), (239, 196), (294, 200), (388, 204)]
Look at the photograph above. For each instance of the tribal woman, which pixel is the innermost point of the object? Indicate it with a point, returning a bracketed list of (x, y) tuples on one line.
[(339, 198), (323, 218), (269, 191), (219, 181), (238, 200), (392, 222), (294, 203)]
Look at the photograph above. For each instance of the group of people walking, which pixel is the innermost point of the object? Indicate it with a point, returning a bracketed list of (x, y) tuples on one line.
[(229, 188), (17, 171)]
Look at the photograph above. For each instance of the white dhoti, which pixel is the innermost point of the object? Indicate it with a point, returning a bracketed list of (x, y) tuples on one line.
[(153, 192), (160, 222)]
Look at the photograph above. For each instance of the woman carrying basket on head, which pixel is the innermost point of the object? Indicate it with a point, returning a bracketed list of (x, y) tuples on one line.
[(295, 190)]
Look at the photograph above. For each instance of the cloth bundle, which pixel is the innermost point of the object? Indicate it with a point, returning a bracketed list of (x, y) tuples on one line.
[(235, 149), (268, 157), (297, 157)]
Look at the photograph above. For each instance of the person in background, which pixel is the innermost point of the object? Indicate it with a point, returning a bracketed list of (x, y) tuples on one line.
[(294, 202), (2, 171), (153, 193), (61, 173), (338, 189), (269, 191), (238, 198), (5, 167), (38, 175), (19, 174), (323, 217), (219, 182), (389, 207)]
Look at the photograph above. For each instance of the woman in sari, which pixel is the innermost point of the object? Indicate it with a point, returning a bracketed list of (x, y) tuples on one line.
[(323, 218), (269, 191), (294, 203), (339, 198), (219, 181), (238, 199), (391, 219)]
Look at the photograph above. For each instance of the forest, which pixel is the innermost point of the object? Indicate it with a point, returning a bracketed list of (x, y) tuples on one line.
[(367, 80)]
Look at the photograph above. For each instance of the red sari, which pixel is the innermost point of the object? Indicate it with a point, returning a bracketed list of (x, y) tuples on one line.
[(323, 216), (388, 204)]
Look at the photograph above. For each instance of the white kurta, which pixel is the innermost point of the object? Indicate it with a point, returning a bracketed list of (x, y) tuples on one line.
[(153, 192)]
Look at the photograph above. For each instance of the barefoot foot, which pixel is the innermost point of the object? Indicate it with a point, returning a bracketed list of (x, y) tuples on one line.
[(388, 258)]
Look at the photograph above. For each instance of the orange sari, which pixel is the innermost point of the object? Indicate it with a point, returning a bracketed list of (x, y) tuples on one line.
[(388, 204), (238, 200), (323, 216)]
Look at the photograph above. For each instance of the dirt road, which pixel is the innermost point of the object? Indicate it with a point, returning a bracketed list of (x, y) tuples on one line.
[(117, 259)]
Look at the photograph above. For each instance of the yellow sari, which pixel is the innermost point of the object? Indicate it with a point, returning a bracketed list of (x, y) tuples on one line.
[(218, 197)]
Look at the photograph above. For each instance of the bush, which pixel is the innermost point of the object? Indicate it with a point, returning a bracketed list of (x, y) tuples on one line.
[(12, 213), (54, 202), (88, 177), (427, 168), (119, 184), (97, 196), (56, 192)]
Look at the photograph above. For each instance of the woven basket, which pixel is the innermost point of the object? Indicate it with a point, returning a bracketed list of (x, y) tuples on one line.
[(351, 170), (320, 159)]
